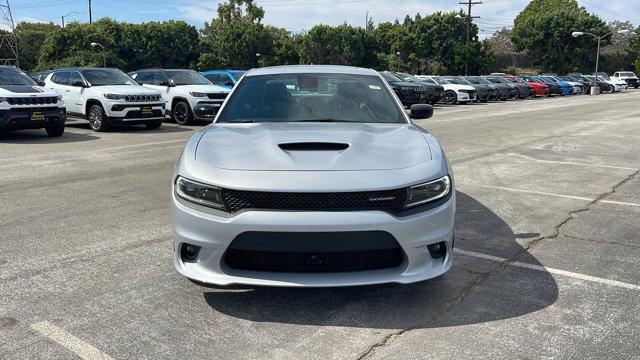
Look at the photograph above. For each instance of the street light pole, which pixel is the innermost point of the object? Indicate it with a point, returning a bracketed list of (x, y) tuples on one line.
[(104, 57), (575, 34), (65, 15)]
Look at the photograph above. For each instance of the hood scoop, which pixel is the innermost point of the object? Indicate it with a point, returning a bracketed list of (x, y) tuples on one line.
[(313, 146)]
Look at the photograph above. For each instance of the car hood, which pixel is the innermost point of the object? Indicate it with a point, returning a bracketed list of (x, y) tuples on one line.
[(259, 147), (25, 90), (125, 89), (204, 88), (457, 87)]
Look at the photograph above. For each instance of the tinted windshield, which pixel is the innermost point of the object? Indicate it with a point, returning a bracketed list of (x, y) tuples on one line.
[(627, 74), (11, 76), (494, 80), (409, 78), (440, 80), (237, 73), (312, 97), (103, 77), (477, 80), (427, 80), (187, 77), (389, 77)]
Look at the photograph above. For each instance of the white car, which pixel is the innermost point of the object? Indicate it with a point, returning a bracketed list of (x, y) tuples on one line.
[(187, 94), (26, 105), (453, 93), (313, 176), (617, 86), (627, 76), (106, 96)]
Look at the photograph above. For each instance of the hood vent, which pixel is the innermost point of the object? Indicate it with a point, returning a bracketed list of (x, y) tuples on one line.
[(313, 146)]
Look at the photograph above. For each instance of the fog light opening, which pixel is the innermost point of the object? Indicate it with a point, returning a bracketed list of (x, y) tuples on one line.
[(437, 250), (189, 253)]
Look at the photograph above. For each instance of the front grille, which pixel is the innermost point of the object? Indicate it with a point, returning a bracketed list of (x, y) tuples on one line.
[(217, 96), (141, 98), (344, 261), (314, 251), (387, 200), (39, 100)]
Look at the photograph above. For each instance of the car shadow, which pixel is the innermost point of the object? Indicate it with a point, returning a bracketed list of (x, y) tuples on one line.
[(133, 128), (39, 136), (409, 306)]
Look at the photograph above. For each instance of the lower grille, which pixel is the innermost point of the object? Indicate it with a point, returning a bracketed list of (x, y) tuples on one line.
[(390, 200), (346, 261), (220, 96)]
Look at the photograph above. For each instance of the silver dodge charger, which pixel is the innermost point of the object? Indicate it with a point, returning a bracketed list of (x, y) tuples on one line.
[(313, 176)]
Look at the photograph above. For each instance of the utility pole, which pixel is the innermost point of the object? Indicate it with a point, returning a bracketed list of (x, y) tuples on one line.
[(470, 18), (90, 18), (8, 40)]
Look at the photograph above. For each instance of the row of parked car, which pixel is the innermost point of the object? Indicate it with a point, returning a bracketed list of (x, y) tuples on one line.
[(415, 89), (107, 96)]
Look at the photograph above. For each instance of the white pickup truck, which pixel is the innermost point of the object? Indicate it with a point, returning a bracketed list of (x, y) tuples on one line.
[(627, 76)]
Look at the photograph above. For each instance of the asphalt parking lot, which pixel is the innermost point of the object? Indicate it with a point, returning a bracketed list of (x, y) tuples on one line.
[(546, 266)]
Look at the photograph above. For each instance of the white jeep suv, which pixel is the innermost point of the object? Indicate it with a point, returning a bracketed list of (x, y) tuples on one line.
[(106, 96), (187, 94), (627, 76)]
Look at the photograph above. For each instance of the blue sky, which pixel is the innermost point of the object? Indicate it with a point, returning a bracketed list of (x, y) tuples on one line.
[(298, 15)]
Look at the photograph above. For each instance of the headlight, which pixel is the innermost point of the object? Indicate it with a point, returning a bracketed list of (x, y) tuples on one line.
[(114, 96), (2, 99), (428, 192), (198, 94), (59, 97), (199, 193)]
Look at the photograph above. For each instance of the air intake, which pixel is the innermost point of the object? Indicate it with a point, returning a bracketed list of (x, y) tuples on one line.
[(313, 146)]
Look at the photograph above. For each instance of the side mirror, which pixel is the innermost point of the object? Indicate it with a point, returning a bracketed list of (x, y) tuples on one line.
[(41, 83), (420, 111), (164, 83), (229, 83), (78, 83)]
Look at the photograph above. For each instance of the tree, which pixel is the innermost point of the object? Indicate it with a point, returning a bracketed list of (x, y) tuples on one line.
[(339, 45), (31, 37), (543, 29)]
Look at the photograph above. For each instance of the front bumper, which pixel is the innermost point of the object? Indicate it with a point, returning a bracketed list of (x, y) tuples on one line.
[(215, 232), (126, 112), (206, 110), (466, 96), (21, 118)]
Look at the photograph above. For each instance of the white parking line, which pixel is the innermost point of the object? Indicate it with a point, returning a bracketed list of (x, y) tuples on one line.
[(81, 348), (550, 270), (571, 162)]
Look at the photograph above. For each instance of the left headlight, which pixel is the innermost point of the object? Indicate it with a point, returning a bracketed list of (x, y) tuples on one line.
[(114, 96), (198, 94), (428, 192), (202, 194)]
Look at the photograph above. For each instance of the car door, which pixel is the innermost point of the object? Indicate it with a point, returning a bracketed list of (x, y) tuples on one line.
[(60, 83), (75, 93)]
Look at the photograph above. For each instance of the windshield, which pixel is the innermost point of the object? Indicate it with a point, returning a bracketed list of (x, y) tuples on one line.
[(187, 77), (389, 77), (312, 98), (440, 80), (455, 81), (237, 73), (11, 76), (495, 80), (477, 80), (104, 77), (408, 77)]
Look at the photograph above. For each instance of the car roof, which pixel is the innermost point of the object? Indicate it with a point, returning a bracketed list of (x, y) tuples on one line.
[(311, 69)]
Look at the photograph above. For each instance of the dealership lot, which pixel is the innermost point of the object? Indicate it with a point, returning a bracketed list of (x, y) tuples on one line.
[(546, 236)]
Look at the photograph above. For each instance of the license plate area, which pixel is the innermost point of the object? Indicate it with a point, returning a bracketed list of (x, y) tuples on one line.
[(37, 116), (146, 111)]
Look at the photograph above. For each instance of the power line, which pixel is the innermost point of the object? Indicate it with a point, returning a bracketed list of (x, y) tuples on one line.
[(9, 40), (470, 18)]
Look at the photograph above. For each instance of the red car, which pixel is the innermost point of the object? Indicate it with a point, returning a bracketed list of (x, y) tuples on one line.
[(541, 89), (525, 89)]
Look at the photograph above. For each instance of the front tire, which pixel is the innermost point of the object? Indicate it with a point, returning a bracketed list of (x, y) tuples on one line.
[(97, 118), (54, 130), (450, 98), (182, 113)]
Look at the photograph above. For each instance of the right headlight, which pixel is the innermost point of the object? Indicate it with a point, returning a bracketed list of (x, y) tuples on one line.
[(428, 192), (202, 194)]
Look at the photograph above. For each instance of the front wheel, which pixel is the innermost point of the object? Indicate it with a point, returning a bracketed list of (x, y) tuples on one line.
[(153, 124), (182, 113), (450, 98), (98, 119), (54, 130)]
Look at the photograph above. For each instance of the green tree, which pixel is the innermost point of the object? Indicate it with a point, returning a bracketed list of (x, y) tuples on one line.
[(31, 37), (339, 45), (543, 29)]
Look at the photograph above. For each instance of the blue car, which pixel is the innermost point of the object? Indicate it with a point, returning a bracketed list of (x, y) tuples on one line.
[(224, 78), (565, 87)]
